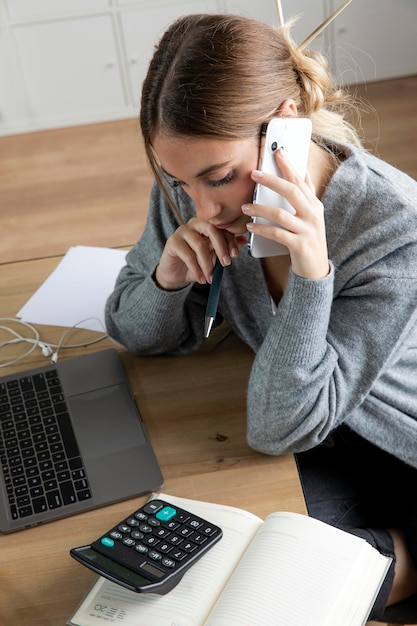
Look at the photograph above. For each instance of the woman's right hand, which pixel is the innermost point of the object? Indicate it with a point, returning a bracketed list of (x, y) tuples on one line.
[(190, 254)]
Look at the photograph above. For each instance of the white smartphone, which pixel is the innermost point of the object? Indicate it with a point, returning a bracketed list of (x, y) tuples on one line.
[(294, 135)]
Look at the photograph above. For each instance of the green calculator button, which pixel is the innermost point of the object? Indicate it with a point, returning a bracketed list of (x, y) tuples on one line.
[(166, 514), (107, 542)]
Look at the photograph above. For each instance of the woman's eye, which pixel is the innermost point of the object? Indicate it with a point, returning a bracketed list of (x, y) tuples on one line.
[(176, 183), (222, 181)]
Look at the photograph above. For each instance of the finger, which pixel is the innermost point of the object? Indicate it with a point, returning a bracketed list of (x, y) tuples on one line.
[(299, 193), (276, 218), (225, 245), (288, 170), (199, 244), (197, 254)]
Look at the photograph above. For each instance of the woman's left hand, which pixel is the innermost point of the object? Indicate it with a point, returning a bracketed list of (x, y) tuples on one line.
[(304, 233)]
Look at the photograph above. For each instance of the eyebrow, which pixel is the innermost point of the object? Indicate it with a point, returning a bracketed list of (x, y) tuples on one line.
[(212, 168)]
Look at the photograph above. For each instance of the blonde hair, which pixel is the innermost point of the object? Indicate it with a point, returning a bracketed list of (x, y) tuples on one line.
[(224, 76)]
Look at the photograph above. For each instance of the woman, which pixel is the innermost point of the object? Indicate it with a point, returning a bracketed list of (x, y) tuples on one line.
[(334, 322)]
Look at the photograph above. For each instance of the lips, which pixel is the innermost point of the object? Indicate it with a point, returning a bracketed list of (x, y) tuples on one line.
[(238, 225), (225, 226)]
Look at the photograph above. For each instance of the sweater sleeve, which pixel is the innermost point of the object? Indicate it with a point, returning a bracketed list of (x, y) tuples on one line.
[(143, 317)]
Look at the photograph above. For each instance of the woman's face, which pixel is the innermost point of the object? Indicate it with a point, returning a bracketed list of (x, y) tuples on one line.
[(215, 173)]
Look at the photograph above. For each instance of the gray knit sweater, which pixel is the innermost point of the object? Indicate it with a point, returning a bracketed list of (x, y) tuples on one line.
[(341, 349)]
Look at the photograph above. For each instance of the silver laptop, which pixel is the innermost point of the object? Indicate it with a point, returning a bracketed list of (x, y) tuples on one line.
[(71, 439)]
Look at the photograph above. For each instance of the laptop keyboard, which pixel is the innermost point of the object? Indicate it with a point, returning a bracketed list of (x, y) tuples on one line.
[(39, 455)]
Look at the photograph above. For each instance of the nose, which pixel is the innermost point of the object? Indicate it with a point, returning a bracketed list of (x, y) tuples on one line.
[(206, 208)]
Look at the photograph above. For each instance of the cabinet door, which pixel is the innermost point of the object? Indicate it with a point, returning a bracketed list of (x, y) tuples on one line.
[(376, 40), (40, 8), (70, 69), (142, 28)]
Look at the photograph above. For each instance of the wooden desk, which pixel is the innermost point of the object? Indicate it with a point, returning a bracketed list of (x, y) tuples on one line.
[(194, 411)]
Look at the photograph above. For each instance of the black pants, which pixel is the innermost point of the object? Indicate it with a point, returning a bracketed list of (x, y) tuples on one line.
[(351, 484)]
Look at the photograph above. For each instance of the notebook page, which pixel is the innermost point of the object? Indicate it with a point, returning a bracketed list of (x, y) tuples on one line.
[(290, 574)]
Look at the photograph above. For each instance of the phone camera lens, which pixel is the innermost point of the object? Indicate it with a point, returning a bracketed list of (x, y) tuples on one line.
[(274, 146)]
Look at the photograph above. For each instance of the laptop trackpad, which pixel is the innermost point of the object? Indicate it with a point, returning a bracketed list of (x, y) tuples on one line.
[(106, 421)]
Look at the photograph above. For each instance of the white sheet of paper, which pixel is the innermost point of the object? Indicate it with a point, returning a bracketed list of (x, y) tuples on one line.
[(76, 292)]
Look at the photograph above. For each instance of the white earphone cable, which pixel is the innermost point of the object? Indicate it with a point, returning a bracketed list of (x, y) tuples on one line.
[(48, 349)]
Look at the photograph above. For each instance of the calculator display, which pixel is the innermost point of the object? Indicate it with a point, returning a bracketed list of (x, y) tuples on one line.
[(111, 567)]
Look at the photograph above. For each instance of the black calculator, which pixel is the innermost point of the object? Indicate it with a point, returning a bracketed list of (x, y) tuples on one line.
[(150, 551)]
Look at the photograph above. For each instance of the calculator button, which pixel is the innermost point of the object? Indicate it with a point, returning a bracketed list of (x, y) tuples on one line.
[(178, 555), (167, 562), (152, 541), (182, 517), (155, 556), (164, 547), (116, 535), (132, 521), (166, 514), (189, 547), (172, 525), (129, 542), (153, 507), (194, 524), (175, 539), (136, 534), (141, 516), (107, 542), (145, 528), (124, 528), (141, 548)]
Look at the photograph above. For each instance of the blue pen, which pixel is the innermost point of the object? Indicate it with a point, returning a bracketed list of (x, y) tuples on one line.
[(213, 299)]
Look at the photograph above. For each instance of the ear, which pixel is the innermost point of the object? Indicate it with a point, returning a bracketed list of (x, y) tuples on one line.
[(288, 109)]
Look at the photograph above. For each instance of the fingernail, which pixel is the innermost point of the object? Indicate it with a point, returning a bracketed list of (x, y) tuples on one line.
[(234, 253), (226, 260), (257, 174), (246, 208)]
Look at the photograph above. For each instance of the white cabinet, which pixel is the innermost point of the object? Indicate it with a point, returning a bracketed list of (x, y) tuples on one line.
[(65, 62), (70, 68)]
